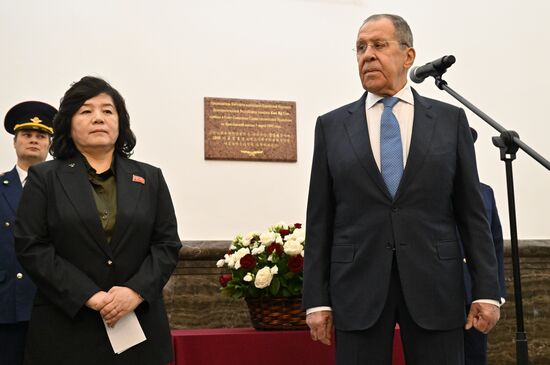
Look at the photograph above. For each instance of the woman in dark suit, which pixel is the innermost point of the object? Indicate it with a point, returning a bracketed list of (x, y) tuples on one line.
[(97, 233)]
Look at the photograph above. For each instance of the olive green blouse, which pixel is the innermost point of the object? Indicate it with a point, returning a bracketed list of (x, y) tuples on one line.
[(104, 191)]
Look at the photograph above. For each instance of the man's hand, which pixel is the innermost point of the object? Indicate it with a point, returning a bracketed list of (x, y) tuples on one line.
[(320, 325), (122, 300), (483, 317)]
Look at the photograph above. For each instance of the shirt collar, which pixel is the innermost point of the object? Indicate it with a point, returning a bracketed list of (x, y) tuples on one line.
[(92, 173), (22, 174), (405, 94)]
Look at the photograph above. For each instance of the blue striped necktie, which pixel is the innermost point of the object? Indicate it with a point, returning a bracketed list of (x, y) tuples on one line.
[(391, 149)]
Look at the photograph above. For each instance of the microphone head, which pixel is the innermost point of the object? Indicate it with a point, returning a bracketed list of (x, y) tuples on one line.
[(413, 77), (447, 61)]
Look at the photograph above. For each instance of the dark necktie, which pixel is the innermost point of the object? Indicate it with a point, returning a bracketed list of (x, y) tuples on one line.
[(391, 149)]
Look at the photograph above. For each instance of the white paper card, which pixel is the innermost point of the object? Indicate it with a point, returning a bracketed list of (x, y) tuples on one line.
[(126, 333)]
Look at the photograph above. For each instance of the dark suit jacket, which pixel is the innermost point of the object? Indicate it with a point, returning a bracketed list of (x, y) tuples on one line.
[(16, 294), (62, 245), (353, 224), (496, 232)]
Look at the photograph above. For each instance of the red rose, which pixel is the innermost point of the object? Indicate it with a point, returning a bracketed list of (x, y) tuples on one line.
[(296, 263), (284, 232), (248, 261), (275, 247), (298, 225), (224, 279)]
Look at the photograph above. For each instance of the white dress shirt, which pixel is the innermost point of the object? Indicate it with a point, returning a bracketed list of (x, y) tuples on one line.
[(22, 174)]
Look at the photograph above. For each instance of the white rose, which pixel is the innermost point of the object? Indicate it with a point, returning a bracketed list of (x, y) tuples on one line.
[(274, 270), (299, 234), (268, 238), (248, 277), (263, 278), (220, 263), (293, 248), (248, 237), (229, 260), (258, 250), (279, 239)]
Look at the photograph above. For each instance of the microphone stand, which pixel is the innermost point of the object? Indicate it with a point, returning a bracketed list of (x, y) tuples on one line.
[(508, 142)]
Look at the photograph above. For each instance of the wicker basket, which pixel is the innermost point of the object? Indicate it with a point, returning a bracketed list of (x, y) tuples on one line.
[(277, 313)]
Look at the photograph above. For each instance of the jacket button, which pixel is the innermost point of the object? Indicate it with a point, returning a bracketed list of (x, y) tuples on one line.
[(19, 276), (395, 209), (464, 259), (6, 224), (109, 262)]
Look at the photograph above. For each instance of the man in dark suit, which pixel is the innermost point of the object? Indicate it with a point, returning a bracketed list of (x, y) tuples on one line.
[(31, 124), (475, 342), (389, 185)]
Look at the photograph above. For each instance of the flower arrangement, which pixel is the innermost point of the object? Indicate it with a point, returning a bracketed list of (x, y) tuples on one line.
[(269, 264)]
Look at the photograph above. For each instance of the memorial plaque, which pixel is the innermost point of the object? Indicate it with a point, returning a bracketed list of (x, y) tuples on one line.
[(243, 129)]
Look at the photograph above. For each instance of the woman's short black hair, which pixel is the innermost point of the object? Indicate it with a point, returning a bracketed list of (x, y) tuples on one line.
[(63, 146)]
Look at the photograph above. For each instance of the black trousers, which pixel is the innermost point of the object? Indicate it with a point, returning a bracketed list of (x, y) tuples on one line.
[(12, 342), (422, 347), (475, 346)]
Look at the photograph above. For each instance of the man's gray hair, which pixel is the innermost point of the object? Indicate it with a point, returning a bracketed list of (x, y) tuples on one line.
[(402, 29)]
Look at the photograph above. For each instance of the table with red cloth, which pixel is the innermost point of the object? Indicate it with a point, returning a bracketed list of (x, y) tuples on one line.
[(238, 346)]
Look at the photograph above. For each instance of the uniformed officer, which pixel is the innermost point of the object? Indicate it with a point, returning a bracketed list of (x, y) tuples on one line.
[(31, 124)]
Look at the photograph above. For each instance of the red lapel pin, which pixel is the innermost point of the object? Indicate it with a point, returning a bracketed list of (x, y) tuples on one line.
[(138, 179)]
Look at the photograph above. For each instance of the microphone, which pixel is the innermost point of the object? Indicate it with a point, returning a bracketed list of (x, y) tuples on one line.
[(434, 68)]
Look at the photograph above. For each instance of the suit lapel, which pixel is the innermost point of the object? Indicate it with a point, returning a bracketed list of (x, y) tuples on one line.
[(358, 133), (74, 178), (423, 127), (11, 189), (128, 194)]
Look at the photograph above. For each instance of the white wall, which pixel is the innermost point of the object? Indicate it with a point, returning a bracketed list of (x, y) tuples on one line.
[(165, 56)]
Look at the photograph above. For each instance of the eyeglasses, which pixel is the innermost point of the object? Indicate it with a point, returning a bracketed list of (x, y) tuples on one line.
[(378, 46)]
